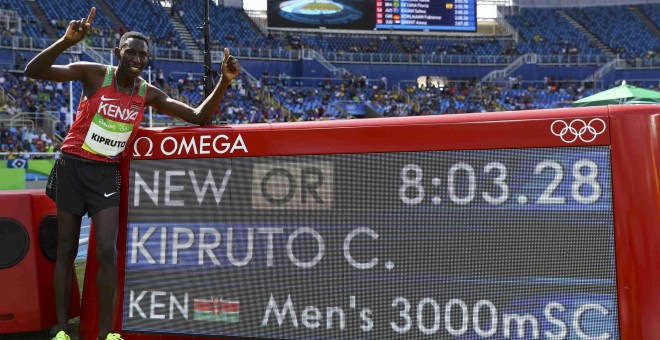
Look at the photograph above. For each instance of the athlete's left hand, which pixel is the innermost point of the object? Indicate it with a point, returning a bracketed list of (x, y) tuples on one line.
[(230, 66)]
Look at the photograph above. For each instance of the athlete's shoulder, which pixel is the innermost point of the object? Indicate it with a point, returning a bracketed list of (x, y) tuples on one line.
[(95, 76), (89, 69), (152, 89), (90, 65)]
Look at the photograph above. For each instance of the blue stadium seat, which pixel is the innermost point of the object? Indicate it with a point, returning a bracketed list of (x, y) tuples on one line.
[(619, 28), (30, 26), (229, 26), (158, 27), (62, 12), (547, 32)]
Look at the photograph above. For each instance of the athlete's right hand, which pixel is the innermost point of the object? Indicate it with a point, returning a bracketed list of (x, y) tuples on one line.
[(78, 28)]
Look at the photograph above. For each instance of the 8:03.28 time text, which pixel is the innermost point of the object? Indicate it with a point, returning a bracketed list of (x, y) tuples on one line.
[(464, 185)]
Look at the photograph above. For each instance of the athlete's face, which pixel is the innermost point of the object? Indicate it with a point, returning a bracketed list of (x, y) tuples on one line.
[(133, 56)]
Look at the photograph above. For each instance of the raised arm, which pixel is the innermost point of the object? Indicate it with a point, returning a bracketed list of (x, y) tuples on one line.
[(201, 114), (41, 66)]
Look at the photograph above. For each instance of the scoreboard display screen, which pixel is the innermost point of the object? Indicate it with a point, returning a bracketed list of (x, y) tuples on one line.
[(513, 225), (467, 244), (411, 15)]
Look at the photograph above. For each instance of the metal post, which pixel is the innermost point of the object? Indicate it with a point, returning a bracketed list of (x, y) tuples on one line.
[(209, 74), (151, 109), (69, 116)]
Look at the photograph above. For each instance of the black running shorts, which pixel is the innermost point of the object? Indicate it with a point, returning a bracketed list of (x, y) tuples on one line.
[(84, 186)]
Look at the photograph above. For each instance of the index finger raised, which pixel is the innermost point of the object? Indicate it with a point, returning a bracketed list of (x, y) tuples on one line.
[(90, 17)]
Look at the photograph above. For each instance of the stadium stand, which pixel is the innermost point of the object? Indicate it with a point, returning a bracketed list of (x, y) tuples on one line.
[(323, 75), (546, 32), (19, 16), (651, 11), (425, 45), (159, 28), (380, 44), (60, 13), (619, 28), (233, 26)]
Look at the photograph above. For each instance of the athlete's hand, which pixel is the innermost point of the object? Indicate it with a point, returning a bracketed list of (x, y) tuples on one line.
[(230, 66), (78, 28)]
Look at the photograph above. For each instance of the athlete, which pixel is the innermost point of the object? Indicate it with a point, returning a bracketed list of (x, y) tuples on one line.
[(86, 178)]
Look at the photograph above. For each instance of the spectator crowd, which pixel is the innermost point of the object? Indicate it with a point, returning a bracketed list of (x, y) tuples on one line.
[(280, 98), (26, 142)]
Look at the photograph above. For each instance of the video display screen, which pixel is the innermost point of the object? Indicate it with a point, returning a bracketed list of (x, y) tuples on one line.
[(413, 15), (497, 244)]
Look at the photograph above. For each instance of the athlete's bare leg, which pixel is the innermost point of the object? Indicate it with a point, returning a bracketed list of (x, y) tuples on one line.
[(106, 225), (68, 233)]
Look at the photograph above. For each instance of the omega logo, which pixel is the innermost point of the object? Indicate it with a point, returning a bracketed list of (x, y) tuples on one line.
[(150, 149)]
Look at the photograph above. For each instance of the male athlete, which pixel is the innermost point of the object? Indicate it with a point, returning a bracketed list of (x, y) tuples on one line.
[(86, 178)]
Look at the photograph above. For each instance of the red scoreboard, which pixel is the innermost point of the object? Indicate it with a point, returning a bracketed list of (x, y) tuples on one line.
[(525, 225)]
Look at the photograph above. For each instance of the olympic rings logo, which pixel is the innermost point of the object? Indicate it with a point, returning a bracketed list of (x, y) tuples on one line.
[(578, 129)]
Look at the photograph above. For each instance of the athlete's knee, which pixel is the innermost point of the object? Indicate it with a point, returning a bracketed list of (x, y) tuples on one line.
[(106, 252), (67, 248)]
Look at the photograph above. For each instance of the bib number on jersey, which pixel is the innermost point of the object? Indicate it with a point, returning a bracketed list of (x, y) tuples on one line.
[(107, 137)]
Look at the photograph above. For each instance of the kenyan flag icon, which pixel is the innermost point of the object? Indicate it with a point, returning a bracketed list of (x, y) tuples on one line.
[(216, 309)]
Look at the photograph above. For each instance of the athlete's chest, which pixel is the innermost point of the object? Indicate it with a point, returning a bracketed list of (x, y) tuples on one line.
[(117, 106)]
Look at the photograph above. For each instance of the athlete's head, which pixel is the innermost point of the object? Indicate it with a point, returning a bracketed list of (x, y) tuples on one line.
[(132, 34), (132, 53)]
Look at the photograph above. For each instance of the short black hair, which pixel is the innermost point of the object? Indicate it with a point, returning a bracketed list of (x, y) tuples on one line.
[(132, 34)]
